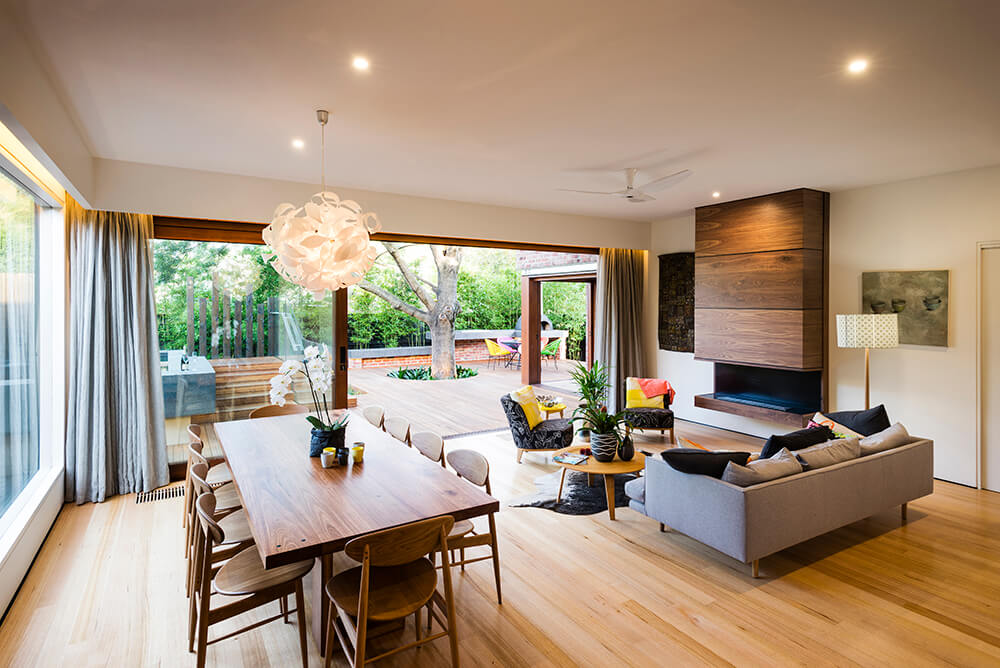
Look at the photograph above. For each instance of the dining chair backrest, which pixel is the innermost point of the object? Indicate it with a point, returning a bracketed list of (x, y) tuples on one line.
[(194, 433), (472, 466), (205, 505), (398, 428), (551, 348), (196, 454), (374, 414), (199, 473), (429, 444), (274, 411), (402, 544), (496, 348)]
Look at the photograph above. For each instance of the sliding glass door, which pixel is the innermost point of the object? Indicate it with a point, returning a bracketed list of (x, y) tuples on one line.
[(19, 428)]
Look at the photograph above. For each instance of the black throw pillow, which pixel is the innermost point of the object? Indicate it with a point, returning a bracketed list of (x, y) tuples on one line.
[(702, 462), (796, 440), (866, 423)]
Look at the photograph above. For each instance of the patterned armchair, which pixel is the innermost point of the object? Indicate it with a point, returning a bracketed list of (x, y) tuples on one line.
[(547, 435), (661, 419)]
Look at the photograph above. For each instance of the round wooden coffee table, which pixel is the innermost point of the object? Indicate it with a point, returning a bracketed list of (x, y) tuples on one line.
[(606, 469)]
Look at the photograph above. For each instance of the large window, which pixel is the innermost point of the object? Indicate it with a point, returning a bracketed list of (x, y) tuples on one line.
[(19, 457)]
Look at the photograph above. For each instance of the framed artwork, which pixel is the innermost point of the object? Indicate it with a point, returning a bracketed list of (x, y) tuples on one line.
[(919, 297), (676, 310)]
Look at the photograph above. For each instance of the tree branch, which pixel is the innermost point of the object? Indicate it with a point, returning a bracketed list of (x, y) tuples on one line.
[(395, 302), (411, 279)]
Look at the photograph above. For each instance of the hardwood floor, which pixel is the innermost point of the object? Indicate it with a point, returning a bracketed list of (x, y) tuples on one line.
[(107, 589)]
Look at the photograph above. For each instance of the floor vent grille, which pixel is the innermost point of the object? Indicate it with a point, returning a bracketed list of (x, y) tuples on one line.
[(159, 494)]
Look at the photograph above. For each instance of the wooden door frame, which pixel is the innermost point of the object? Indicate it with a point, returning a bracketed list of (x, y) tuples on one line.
[(981, 248), (531, 320), (244, 232)]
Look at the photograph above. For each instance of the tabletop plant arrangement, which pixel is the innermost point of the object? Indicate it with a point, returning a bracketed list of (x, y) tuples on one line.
[(606, 429), (317, 367)]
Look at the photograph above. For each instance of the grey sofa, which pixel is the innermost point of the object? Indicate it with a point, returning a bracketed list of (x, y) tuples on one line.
[(749, 523)]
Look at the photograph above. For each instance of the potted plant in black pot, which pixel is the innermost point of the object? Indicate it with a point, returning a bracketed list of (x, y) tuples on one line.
[(593, 386), (317, 367), (605, 430)]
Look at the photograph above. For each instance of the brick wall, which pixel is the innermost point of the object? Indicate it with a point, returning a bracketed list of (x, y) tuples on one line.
[(474, 350), (545, 259)]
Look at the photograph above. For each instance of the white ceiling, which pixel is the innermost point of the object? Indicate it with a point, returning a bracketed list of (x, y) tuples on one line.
[(498, 102)]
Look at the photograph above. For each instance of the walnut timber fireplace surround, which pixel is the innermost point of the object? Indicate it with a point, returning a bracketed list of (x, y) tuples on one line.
[(760, 304)]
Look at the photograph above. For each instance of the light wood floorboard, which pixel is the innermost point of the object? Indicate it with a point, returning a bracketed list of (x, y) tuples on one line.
[(107, 589)]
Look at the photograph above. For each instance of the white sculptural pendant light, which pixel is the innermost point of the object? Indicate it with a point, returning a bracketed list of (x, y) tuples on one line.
[(326, 243)]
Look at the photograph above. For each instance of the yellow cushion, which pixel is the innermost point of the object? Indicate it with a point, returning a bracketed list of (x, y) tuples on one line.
[(634, 398), (525, 397)]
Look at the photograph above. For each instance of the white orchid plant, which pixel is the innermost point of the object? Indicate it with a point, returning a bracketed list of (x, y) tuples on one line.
[(317, 366)]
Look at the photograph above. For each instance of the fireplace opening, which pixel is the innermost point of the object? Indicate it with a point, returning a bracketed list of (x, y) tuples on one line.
[(777, 389)]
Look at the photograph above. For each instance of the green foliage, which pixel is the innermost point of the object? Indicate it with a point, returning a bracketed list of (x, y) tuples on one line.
[(424, 373), (598, 420), (566, 306), (489, 291), (593, 383), (339, 423)]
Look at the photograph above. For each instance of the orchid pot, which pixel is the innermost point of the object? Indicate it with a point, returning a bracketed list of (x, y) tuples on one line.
[(317, 367)]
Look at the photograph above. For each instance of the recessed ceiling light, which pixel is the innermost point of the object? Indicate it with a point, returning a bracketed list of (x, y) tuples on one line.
[(360, 63), (298, 143), (716, 194), (857, 66)]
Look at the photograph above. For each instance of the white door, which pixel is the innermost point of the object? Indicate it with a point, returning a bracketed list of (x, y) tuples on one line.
[(991, 369)]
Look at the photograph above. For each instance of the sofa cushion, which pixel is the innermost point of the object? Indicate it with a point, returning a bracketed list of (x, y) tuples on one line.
[(551, 434), (761, 470), (865, 422), (829, 453), (636, 490), (893, 437), (796, 440), (702, 462)]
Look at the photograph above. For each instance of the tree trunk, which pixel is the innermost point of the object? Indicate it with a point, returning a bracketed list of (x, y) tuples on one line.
[(442, 348)]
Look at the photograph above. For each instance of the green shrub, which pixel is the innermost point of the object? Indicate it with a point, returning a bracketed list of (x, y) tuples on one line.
[(424, 373)]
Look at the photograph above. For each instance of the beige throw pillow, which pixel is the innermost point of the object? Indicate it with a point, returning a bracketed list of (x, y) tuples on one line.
[(761, 470), (887, 439), (830, 453)]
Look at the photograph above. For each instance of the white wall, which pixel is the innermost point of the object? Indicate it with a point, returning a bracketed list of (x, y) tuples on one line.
[(140, 188), (928, 223), (35, 113)]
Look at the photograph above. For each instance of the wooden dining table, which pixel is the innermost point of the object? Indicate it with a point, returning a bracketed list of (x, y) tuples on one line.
[(298, 510)]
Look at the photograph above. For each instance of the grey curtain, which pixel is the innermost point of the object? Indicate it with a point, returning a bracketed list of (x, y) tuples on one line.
[(621, 280), (115, 437)]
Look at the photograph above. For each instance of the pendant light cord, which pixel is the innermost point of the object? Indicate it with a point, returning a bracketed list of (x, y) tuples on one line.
[(322, 150)]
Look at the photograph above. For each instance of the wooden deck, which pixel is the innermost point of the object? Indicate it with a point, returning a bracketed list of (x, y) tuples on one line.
[(450, 407)]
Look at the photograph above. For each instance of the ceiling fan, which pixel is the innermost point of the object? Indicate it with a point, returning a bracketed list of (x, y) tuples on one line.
[(631, 192)]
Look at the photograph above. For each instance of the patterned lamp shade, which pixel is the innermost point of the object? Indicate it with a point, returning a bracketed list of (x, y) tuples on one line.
[(868, 330)]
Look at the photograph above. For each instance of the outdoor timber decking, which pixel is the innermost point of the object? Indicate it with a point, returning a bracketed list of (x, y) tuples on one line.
[(450, 407)]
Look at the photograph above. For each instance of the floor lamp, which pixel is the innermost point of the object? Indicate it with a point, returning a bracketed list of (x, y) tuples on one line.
[(867, 330)]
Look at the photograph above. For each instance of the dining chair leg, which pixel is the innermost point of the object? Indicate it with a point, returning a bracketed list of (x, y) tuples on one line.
[(461, 554), (496, 556), (449, 599), (206, 588), (283, 602), (300, 611), (328, 649), (417, 623)]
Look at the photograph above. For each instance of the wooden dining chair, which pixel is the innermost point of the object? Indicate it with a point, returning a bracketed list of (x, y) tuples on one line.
[(242, 576), (472, 466), (290, 408), (429, 444), (375, 415), (217, 475), (229, 514), (230, 500), (398, 428), (395, 580)]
